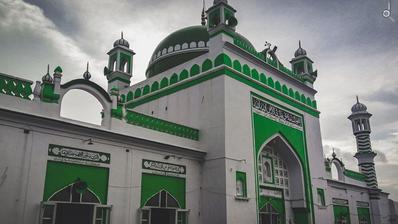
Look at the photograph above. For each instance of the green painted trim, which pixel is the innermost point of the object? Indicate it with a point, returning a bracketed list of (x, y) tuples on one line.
[(355, 175), (48, 95), (160, 125), (297, 142), (224, 70)]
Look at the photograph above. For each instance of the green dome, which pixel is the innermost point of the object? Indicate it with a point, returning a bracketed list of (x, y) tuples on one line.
[(181, 46)]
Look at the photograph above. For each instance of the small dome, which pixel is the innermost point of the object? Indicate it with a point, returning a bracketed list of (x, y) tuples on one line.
[(358, 107), (300, 51), (121, 42), (47, 78)]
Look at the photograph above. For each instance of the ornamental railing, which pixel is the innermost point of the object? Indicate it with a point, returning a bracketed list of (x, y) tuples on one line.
[(156, 124), (14, 86)]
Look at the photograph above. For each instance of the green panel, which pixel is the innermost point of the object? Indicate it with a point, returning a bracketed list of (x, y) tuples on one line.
[(364, 215), (152, 184), (164, 83), (155, 86), (48, 95), (157, 124), (341, 212), (59, 175), (146, 90)]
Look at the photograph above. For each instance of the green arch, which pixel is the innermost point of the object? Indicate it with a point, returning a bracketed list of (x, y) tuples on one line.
[(246, 70), (263, 78), (255, 74), (237, 66), (297, 96), (174, 79), (130, 96), (184, 74), (309, 101), (223, 59), (146, 90), (291, 92), (303, 98), (278, 86), (137, 93), (207, 65), (271, 82), (195, 69), (155, 86), (164, 83), (284, 89), (123, 98), (314, 104)]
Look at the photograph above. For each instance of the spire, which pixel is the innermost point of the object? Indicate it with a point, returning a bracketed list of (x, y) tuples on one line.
[(203, 22), (357, 99), (121, 35), (47, 77), (86, 74), (299, 43)]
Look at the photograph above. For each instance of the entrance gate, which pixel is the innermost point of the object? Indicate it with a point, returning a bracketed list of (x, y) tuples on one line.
[(75, 204)]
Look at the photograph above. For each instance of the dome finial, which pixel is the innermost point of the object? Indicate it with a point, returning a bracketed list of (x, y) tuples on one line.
[(300, 51), (47, 77), (86, 74), (121, 35), (357, 99), (48, 68), (203, 22), (333, 154), (218, 1), (299, 43)]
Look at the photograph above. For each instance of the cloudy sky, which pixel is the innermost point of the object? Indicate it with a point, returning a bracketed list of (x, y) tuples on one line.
[(354, 48)]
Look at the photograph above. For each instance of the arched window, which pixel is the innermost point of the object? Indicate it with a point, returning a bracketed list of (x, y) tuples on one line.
[(114, 66), (77, 192), (274, 170)]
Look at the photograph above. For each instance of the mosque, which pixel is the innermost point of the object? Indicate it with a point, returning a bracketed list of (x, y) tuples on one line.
[(218, 132)]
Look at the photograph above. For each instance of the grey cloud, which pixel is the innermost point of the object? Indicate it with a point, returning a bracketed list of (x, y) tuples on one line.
[(385, 95)]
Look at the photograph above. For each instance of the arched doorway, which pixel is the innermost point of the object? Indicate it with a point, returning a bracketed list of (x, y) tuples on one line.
[(163, 208), (75, 203), (281, 182)]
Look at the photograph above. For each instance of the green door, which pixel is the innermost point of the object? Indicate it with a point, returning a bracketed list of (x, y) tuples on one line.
[(341, 214)]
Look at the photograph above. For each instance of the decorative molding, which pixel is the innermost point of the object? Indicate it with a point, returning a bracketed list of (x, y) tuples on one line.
[(160, 125)]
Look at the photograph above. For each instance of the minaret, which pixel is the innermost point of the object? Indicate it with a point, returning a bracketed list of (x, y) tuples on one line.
[(120, 66), (221, 17), (365, 156), (302, 66)]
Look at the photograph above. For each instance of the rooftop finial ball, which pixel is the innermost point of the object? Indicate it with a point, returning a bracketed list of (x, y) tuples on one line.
[(386, 13)]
